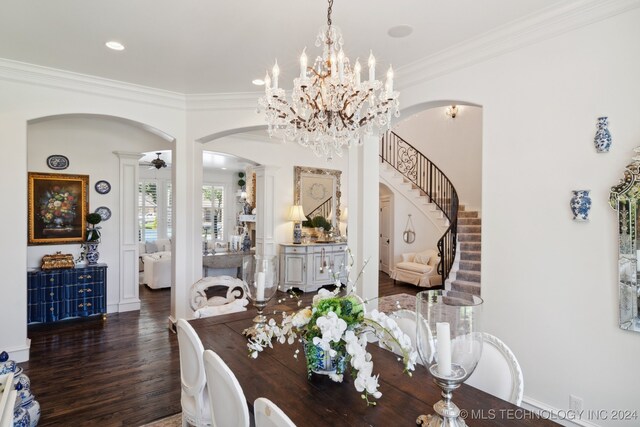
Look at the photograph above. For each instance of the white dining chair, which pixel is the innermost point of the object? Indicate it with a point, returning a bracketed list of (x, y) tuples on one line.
[(268, 414), (498, 371), (194, 399), (226, 397)]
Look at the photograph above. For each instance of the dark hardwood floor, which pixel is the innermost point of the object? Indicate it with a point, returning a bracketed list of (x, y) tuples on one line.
[(124, 371)]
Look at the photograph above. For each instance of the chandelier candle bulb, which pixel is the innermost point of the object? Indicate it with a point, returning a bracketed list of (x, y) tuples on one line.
[(372, 67), (303, 64), (260, 277), (443, 348), (389, 84), (341, 65), (357, 69), (276, 73), (267, 83)]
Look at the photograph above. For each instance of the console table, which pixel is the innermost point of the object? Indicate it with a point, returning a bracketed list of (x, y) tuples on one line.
[(311, 266), (54, 295)]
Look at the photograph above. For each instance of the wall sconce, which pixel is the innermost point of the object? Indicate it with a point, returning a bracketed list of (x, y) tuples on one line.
[(296, 214), (452, 111)]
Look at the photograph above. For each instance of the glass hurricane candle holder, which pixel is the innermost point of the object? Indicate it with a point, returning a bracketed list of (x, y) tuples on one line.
[(260, 277), (449, 343)]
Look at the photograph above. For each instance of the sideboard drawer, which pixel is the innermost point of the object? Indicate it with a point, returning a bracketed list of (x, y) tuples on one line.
[(64, 293), (295, 249)]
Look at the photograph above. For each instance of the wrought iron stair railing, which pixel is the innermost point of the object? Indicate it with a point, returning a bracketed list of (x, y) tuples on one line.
[(427, 177), (323, 209)]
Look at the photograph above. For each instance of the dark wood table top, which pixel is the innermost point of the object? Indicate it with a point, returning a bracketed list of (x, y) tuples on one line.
[(318, 401)]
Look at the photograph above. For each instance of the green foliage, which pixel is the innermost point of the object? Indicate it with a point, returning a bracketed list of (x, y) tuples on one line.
[(94, 218), (241, 182), (241, 174), (321, 221)]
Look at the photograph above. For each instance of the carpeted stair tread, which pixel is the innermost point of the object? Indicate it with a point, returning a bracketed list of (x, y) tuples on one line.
[(468, 214), (469, 221), (470, 255), (470, 246), (469, 237), (470, 265), (469, 276), (476, 229), (467, 287)]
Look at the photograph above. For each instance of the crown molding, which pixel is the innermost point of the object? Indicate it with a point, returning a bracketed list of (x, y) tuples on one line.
[(60, 79), (540, 26), (543, 25), (223, 101)]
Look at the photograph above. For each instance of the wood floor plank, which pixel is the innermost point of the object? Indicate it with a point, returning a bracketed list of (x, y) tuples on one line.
[(121, 372)]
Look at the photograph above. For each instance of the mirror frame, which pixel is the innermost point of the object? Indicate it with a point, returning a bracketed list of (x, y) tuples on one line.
[(300, 172), (624, 198)]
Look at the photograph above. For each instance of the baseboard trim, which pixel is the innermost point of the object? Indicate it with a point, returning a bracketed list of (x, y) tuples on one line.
[(19, 353), (561, 416), (129, 306)]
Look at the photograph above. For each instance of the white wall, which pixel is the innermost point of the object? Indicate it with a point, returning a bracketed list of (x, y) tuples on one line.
[(454, 145), (89, 143), (550, 284)]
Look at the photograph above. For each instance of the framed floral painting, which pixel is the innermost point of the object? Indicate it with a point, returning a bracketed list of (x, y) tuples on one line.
[(58, 208)]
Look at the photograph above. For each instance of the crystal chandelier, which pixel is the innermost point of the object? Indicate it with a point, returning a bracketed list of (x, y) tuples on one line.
[(330, 105)]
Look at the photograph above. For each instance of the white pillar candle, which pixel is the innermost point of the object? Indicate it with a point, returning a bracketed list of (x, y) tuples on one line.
[(260, 285), (443, 348)]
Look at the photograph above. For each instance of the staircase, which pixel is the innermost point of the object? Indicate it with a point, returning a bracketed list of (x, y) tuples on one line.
[(465, 274), (409, 172)]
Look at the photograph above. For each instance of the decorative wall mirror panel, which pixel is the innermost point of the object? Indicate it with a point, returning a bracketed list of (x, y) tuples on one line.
[(625, 199), (318, 191)]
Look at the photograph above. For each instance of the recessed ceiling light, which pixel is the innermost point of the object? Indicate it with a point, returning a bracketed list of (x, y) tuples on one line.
[(114, 45), (400, 31), (258, 82), (224, 169)]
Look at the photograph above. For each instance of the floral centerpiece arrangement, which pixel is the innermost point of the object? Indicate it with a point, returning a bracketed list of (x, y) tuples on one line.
[(335, 331)]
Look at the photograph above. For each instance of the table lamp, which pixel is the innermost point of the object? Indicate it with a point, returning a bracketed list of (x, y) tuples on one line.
[(296, 214)]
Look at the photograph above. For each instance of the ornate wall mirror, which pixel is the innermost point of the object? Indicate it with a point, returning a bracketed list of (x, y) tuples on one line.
[(318, 191), (625, 199)]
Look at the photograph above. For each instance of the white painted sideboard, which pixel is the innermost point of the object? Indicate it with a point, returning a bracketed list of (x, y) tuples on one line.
[(311, 266)]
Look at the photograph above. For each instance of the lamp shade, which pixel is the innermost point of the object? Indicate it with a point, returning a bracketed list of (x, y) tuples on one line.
[(296, 214)]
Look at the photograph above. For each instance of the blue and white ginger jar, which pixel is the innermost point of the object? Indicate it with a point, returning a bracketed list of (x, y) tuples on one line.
[(602, 139), (581, 205)]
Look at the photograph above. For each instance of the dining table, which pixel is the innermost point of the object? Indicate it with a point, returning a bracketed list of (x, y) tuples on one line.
[(318, 401)]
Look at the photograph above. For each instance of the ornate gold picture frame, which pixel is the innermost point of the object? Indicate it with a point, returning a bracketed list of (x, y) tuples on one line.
[(58, 207)]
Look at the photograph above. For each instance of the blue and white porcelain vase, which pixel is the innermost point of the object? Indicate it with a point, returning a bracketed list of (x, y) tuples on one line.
[(602, 139), (581, 205), (321, 362), (92, 255)]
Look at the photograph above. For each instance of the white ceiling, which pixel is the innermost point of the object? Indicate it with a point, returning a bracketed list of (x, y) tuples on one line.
[(196, 46)]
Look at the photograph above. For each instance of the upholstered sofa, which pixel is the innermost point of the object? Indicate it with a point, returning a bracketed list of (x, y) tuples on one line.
[(420, 269), (152, 247)]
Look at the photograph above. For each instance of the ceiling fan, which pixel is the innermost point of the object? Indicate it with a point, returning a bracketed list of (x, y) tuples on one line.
[(157, 163)]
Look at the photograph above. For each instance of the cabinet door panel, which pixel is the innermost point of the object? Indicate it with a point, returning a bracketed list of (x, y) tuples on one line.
[(295, 269), (321, 267)]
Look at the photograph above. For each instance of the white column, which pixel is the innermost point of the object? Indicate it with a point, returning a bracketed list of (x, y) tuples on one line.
[(187, 225), (364, 177), (129, 288), (265, 210), (13, 247)]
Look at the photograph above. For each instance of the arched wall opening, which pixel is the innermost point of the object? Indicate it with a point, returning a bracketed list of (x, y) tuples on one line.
[(454, 145), (101, 147)]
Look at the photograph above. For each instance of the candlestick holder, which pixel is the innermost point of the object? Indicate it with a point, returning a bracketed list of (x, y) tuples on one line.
[(260, 277), (449, 343)]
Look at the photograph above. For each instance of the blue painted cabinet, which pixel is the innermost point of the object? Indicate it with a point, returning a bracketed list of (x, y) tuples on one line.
[(61, 294)]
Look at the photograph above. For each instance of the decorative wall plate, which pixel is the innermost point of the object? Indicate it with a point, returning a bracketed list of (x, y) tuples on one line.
[(57, 162), (104, 212), (103, 187)]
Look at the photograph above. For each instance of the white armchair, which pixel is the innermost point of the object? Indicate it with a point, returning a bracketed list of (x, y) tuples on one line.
[(420, 269), (157, 270)]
